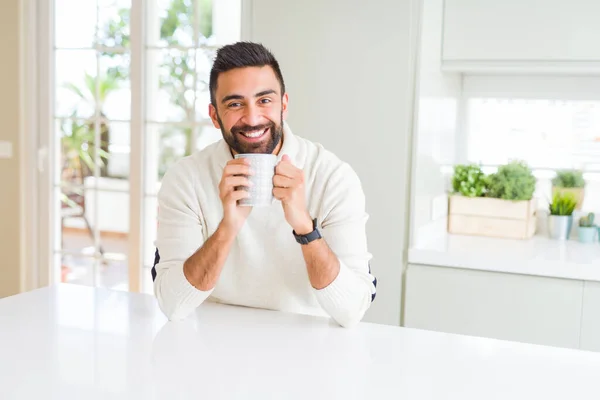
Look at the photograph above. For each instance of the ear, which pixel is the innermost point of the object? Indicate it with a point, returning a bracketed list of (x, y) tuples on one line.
[(284, 105), (212, 111)]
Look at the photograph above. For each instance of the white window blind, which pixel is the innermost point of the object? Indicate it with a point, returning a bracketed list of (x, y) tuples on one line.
[(548, 134), (549, 122)]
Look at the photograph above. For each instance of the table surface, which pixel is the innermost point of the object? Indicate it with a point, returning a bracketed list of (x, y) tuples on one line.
[(538, 256), (72, 342)]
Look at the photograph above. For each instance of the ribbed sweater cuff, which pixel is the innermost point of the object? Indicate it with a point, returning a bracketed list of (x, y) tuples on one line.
[(343, 297), (185, 296)]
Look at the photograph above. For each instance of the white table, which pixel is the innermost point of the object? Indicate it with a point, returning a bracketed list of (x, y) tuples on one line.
[(70, 342)]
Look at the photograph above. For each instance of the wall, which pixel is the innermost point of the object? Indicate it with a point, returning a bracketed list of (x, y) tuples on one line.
[(349, 68), (436, 129), (10, 97)]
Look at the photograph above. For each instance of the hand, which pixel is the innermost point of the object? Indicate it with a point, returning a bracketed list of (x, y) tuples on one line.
[(234, 174), (288, 187)]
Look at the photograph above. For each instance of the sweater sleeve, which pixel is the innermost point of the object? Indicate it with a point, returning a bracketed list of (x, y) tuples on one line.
[(343, 227), (179, 235)]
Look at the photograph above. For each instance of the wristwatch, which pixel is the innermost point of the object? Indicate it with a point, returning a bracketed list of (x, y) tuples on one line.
[(309, 237)]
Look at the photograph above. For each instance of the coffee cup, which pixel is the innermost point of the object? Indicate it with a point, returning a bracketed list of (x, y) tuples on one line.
[(263, 170)]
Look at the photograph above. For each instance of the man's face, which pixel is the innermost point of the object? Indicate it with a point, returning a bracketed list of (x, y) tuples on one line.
[(250, 110)]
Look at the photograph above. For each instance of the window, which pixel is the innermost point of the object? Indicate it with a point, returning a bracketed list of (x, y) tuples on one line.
[(101, 108), (547, 133), (551, 122)]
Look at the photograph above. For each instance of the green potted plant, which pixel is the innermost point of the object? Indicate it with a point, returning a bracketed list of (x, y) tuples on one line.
[(560, 219), (587, 229), (570, 181), (498, 205), (513, 181), (469, 180)]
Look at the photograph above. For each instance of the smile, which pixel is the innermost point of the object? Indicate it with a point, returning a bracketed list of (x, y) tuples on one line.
[(254, 134)]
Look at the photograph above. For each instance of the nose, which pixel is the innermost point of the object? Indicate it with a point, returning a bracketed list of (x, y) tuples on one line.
[(252, 115)]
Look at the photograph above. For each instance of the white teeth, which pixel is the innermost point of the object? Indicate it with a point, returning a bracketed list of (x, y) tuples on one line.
[(254, 134)]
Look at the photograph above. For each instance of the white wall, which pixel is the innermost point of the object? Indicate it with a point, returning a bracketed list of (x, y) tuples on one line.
[(348, 66), (436, 128)]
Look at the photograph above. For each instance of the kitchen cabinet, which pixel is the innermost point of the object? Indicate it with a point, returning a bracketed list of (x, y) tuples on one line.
[(524, 308), (521, 35), (590, 324)]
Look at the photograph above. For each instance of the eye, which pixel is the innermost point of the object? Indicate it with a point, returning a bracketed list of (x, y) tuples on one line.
[(265, 101), (234, 105)]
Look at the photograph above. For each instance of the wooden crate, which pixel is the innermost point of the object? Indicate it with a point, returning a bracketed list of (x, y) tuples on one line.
[(482, 216)]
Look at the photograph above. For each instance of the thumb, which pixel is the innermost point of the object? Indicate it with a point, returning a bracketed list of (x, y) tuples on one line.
[(285, 158)]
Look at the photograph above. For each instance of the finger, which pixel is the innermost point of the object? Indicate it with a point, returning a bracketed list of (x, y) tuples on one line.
[(237, 169), (236, 164), (229, 184), (240, 161), (282, 194), (286, 168), (283, 181), (233, 181), (236, 195)]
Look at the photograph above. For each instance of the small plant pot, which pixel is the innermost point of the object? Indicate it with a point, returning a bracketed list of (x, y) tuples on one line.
[(586, 234), (559, 226)]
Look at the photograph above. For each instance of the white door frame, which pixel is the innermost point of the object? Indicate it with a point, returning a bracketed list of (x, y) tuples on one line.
[(47, 144), (137, 146), (36, 159), (28, 147)]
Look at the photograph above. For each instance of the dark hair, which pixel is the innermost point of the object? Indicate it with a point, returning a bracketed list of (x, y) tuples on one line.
[(240, 55)]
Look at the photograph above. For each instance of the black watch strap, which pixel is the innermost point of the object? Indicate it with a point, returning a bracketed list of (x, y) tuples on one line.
[(309, 237)]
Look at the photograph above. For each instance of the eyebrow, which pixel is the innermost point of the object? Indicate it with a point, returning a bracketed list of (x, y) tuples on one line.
[(240, 97), (264, 93)]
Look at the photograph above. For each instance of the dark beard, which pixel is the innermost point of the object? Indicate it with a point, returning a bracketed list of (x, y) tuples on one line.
[(264, 147)]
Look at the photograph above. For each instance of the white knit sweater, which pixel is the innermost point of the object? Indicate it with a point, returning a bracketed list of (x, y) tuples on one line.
[(265, 268)]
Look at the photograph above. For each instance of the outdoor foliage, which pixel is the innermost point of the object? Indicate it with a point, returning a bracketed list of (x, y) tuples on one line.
[(177, 70)]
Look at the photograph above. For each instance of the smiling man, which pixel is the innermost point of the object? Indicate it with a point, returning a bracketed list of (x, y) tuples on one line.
[(306, 253)]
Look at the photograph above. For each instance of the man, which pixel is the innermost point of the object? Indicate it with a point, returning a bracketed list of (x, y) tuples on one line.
[(306, 253)]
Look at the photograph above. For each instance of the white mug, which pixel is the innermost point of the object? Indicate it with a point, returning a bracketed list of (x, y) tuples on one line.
[(263, 168)]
